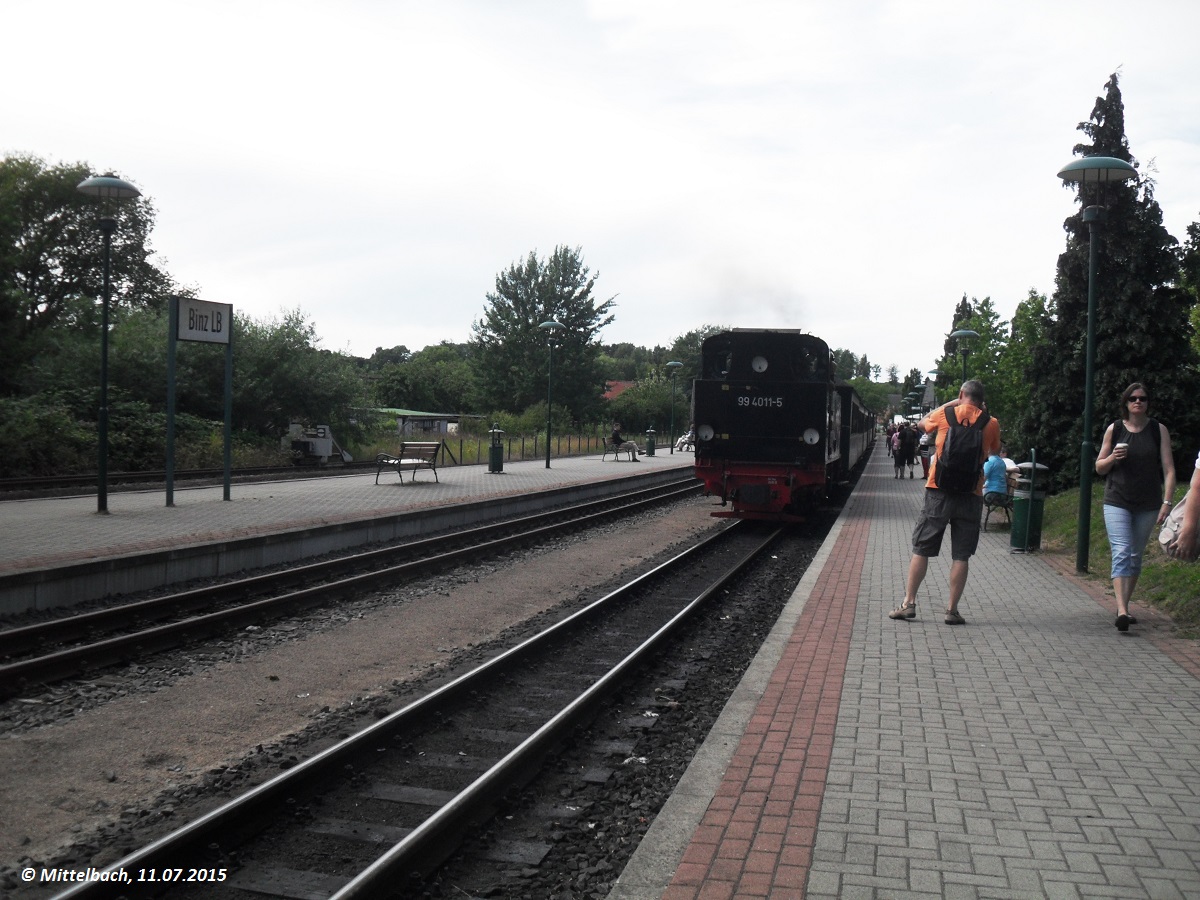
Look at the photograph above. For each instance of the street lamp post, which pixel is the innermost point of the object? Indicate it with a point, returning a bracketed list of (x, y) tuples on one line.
[(108, 188), (963, 335), (550, 327), (1096, 170), (674, 366)]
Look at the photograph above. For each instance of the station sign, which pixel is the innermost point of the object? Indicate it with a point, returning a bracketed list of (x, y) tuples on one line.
[(203, 321)]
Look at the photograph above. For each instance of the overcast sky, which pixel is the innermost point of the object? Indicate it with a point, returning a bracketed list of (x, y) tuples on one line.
[(847, 168)]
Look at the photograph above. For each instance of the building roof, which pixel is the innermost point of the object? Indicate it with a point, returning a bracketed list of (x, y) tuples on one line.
[(617, 388)]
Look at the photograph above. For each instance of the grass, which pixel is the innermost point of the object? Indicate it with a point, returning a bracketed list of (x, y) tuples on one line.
[(1165, 583)]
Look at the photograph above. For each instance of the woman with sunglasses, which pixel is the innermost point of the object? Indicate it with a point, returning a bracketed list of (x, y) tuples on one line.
[(1136, 458)]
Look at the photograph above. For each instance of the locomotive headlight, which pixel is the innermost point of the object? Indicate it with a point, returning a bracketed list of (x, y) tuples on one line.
[(811, 436), (705, 432), (759, 364)]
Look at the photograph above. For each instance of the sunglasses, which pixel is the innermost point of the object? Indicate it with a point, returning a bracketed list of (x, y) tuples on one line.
[(1139, 399)]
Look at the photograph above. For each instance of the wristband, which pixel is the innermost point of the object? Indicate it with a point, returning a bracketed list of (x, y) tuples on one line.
[(1166, 503)]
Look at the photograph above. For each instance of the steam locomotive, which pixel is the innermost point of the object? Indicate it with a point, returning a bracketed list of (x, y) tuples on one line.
[(776, 432)]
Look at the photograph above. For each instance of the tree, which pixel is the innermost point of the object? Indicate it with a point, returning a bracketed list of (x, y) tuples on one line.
[(51, 261), (1189, 279), (436, 379), (914, 380), (845, 364), (983, 352), (382, 358), (1011, 390), (510, 350), (281, 375), (864, 369), (1142, 328)]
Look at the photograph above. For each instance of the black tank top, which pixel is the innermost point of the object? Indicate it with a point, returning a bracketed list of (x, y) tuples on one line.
[(1135, 483)]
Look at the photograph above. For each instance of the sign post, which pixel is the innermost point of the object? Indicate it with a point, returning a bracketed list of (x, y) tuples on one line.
[(210, 323)]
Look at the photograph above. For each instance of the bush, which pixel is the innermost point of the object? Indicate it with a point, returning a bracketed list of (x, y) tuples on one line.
[(56, 434)]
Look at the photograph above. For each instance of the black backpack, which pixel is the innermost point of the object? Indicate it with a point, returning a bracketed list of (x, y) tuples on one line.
[(961, 460)]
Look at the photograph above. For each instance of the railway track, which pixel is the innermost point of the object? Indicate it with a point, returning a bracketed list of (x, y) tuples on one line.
[(57, 649), (394, 800)]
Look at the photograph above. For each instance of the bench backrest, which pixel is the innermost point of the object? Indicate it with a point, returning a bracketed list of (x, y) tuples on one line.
[(419, 449)]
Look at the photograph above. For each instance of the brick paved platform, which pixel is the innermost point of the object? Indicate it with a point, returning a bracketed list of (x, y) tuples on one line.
[(1034, 752)]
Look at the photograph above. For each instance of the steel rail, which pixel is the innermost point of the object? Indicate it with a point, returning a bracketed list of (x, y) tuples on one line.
[(73, 660), (414, 849), (428, 841)]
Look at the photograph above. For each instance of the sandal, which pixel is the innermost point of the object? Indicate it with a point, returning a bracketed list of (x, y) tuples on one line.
[(1122, 623), (953, 618), (904, 611)]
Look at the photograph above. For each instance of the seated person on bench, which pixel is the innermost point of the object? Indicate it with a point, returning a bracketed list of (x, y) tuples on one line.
[(687, 439), (995, 479), (619, 443)]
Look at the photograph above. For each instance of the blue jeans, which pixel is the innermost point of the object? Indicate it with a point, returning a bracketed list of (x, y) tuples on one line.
[(1128, 534)]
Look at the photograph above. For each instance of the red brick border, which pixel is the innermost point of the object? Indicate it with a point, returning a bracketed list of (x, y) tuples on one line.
[(756, 838)]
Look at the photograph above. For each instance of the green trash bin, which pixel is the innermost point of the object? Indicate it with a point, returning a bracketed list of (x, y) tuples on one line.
[(1029, 502), (496, 451)]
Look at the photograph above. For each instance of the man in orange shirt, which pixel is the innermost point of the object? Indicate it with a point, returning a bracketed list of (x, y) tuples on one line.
[(943, 508)]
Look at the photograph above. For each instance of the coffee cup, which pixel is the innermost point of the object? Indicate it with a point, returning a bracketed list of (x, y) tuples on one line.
[(1121, 445)]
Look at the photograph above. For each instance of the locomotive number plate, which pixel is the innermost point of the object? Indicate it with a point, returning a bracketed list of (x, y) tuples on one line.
[(767, 402)]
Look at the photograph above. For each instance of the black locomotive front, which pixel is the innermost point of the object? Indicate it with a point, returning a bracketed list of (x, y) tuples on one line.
[(768, 421)]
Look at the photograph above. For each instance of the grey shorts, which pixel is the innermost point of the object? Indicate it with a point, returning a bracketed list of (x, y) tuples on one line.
[(960, 512)]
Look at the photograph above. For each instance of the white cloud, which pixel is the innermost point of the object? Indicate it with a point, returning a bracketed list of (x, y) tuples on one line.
[(852, 169)]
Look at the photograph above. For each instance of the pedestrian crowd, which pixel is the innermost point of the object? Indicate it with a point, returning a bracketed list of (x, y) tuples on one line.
[(964, 466)]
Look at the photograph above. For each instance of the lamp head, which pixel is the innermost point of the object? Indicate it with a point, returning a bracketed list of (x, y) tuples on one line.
[(108, 187), (1097, 169)]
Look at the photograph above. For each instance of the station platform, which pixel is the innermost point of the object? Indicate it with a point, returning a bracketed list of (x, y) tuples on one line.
[(60, 551), (1033, 752)]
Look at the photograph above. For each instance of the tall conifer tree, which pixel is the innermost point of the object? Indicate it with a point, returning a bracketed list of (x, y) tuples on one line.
[(1142, 328)]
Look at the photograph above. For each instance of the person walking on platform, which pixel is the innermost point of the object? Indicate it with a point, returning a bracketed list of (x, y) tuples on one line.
[(966, 436), (1136, 459), (908, 448), (1187, 545)]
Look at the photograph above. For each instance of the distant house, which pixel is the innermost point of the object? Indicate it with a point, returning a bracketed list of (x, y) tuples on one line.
[(617, 388), (415, 422)]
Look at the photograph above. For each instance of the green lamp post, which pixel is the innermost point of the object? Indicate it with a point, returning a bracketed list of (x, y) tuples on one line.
[(550, 327), (108, 189), (1097, 170), (964, 336), (674, 366)]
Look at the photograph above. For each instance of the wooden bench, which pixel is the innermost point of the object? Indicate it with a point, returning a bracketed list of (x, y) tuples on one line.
[(413, 455), (617, 449)]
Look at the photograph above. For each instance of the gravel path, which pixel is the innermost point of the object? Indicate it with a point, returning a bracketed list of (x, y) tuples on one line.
[(88, 772)]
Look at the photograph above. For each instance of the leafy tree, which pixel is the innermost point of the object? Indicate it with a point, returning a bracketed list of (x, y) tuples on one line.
[(983, 352), (845, 364), (51, 261), (510, 350), (436, 379), (874, 394), (392, 356), (1010, 391), (1142, 328), (914, 380), (1189, 279)]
